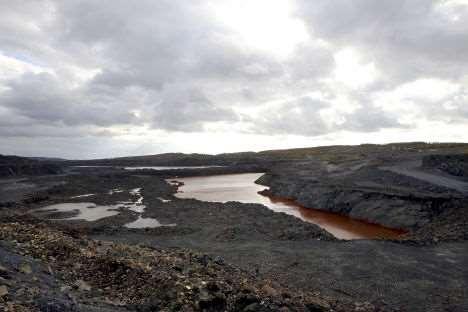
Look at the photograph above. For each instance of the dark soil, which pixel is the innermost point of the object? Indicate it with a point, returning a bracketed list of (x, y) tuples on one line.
[(242, 257), (48, 270)]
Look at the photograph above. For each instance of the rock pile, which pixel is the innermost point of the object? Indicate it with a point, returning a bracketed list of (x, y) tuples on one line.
[(122, 277)]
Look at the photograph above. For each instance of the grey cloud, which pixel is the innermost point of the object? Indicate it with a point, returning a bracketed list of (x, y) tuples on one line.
[(310, 61), (368, 118), (171, 65), (156, 43), (408, 39), (300, 117), (149, 48), (44, 98), (188, 110), (35, 131), (452, 109), (16, 35)]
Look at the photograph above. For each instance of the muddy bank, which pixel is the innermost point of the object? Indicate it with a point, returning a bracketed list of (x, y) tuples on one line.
[(212, 221), (241, 187), (339, 225), (397, 194)]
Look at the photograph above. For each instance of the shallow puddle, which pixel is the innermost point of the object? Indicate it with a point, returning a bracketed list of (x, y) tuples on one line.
[(84, 211), (113, 191), (164, 200), (142, 223), (84, 195), (241, 187), (93, 212)]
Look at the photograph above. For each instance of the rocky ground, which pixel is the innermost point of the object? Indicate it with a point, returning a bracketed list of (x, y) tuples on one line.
[(49, 270), (242, 257), (399, 189)]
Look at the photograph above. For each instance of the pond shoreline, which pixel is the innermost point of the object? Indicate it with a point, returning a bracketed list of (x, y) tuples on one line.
[(242, 187)]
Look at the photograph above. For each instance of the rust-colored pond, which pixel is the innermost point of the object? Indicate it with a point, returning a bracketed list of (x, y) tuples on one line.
[(241, 187)]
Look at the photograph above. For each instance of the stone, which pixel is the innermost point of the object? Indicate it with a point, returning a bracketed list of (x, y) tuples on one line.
[(4, 273), (25, 268), (53, 305), (270, 291), (3, 291), (212, 286), (82, 285), (215, 302), (219, 260), (252, 307), (245, 301), (315, 307)]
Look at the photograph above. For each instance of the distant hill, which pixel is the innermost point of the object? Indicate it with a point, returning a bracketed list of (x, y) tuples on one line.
[(173, 159), (11, 166), (49, 159), (336, 153)]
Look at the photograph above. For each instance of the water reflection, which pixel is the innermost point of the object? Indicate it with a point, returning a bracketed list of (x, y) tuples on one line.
[(92, 212), (169, 167), (241, 187), (82, 211), (142, 223)]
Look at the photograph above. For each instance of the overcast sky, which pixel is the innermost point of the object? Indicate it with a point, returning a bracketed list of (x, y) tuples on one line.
[(87, 79)]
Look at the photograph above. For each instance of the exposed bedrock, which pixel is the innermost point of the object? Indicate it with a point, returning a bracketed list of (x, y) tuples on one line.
[(374, 195), (456, 165), (389, 210)]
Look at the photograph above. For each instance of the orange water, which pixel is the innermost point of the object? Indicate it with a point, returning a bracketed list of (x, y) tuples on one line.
[(241, 187)]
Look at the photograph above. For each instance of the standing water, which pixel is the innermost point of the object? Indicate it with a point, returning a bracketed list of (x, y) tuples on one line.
[(241, 188)]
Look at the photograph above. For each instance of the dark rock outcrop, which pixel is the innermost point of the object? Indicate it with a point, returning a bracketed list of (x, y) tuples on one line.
[(11, 166), (456, 165)]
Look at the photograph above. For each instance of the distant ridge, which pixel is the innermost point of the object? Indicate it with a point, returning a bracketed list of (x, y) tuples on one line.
[(332, 152)]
